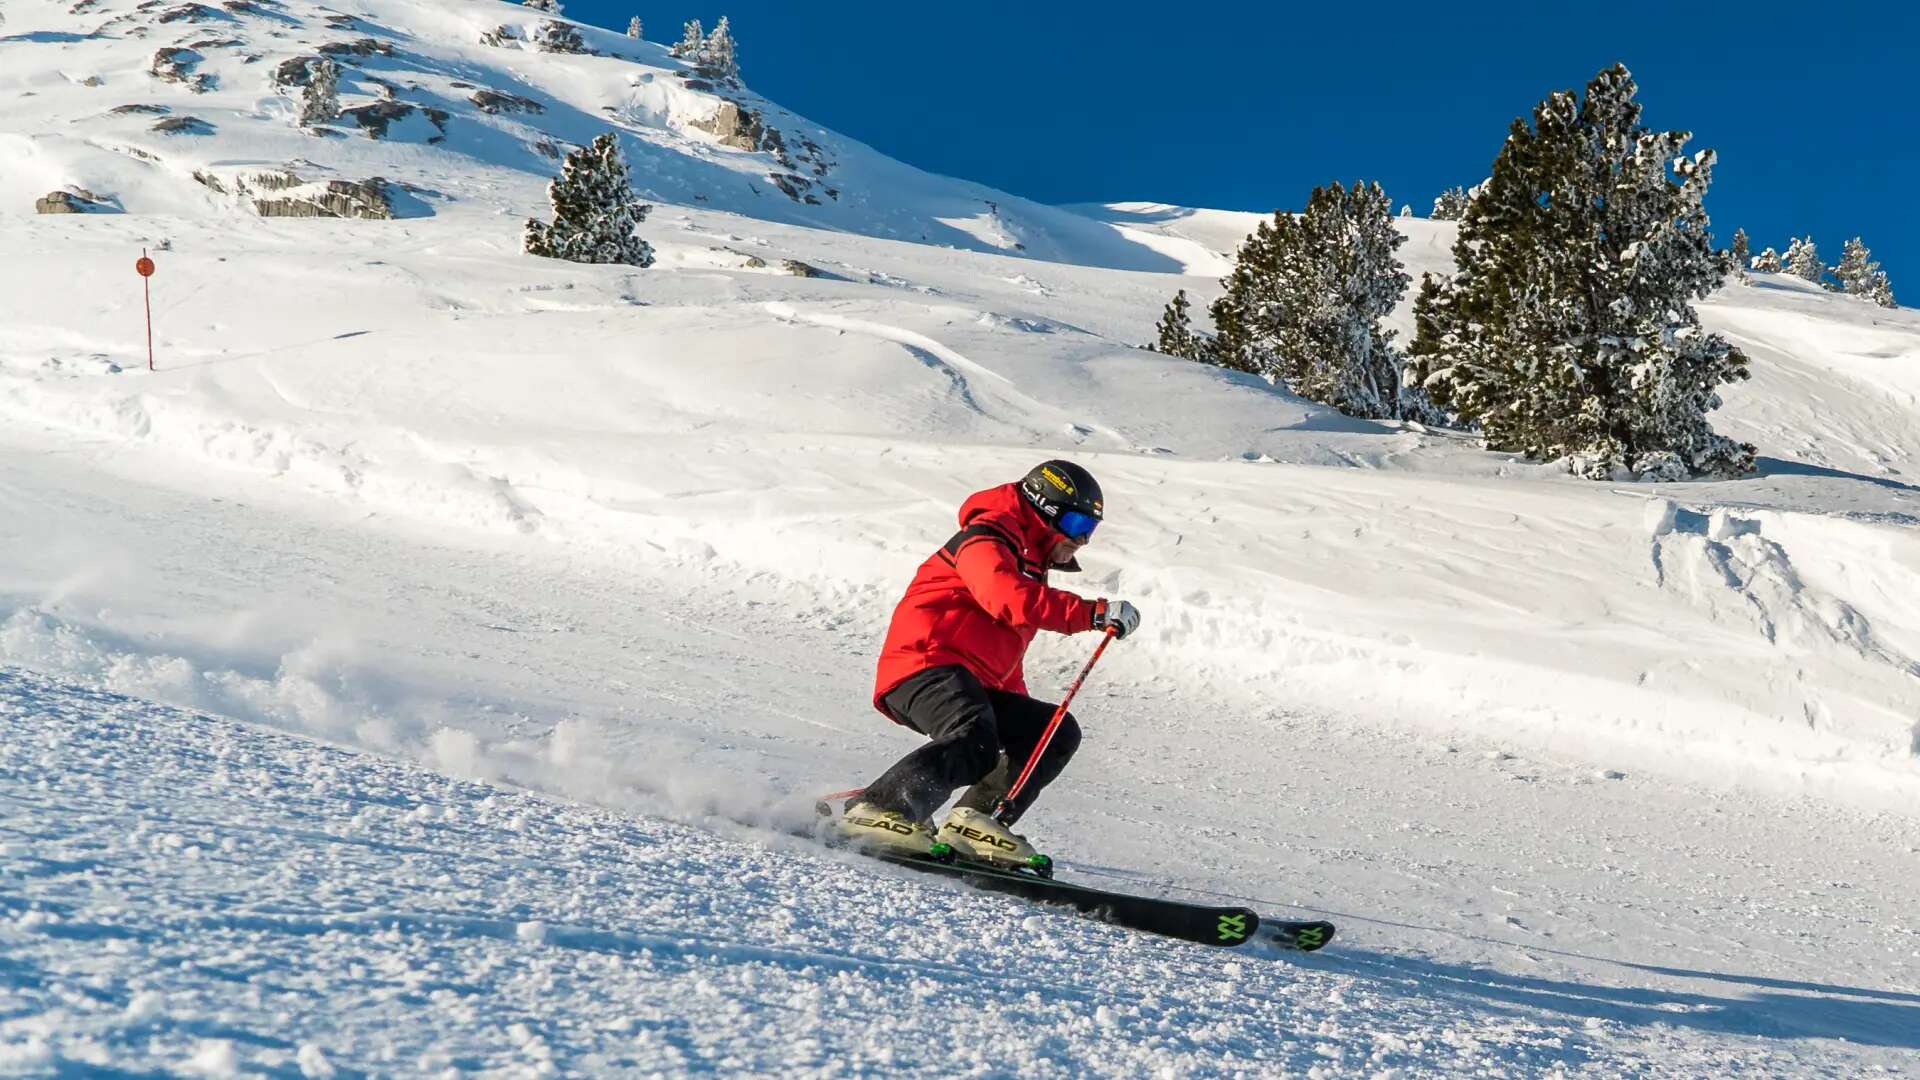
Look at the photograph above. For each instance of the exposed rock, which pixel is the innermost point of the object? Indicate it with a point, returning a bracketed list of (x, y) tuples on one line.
[(795, 187), (696, 84), (338, 21), (377, 117), (388, 90), (554, 36), (271, 180), (798, 268), (155, 110), (366, 46), (458, 85), (547, 148), (209, 180), (366, 200), (296, 71), (499, 36), (733, 126), (83, 7), (184, 125), (240, 7), (77, 201), (748, 260), (187, 13), (93, 80), (216, 43), (176, 65), (494, 102)]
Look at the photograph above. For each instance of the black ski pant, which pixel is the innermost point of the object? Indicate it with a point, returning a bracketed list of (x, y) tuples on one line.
[(980, 739)]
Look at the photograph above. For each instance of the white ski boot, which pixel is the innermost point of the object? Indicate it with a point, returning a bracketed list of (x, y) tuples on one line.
[(981, 838), (885, 830)]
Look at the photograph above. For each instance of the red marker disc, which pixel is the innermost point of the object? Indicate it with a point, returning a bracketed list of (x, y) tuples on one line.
[(145, 266)]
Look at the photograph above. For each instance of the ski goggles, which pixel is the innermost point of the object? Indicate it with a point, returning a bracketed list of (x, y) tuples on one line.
[(1075, 525)]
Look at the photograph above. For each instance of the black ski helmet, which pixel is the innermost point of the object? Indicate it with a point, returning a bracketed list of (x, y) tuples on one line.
[(1054, 487)]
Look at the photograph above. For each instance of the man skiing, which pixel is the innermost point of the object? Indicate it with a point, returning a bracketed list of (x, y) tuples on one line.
[(951, 667)]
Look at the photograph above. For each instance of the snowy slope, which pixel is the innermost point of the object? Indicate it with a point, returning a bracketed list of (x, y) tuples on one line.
[(413, 924), (1579, 767)]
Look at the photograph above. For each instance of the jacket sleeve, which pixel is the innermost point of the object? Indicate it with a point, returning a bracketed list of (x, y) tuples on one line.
[(992, 574)]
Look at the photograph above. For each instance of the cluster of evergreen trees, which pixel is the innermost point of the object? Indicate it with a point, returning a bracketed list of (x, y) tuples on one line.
[(1567, 331), (1856, 274), (714, 54)]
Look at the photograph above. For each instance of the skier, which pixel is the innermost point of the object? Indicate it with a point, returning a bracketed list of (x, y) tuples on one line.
[(951, 667)]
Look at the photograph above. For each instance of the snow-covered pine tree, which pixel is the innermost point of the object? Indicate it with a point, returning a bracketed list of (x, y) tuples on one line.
[(555, 36), (1803, 260), (1739, 254), (320, 101), (1879, 289), (1451, 205), (1569, 329), (692, 40), (1767, 262), (595, 211), (1406, 210), (1176, 336), (718, 58), (1855, 268), (633, 28), (1305, 298), (1860, 276), (549, 7)]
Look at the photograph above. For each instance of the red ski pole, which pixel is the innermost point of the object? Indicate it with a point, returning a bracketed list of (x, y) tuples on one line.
[(1004, 807)]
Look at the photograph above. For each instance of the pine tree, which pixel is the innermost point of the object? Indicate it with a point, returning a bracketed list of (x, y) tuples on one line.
[(1176, 336), (595, 211), (1406, 210), (557, 37), (1803, 260), (717, 54), (1856, 267), (1451, 205), (1568, 331), (692, 41), (1304, 301), (1767, 262), (633, 28), (1860, 276), (1879, 290), (550, 7), (320, 101), (1739, 255)]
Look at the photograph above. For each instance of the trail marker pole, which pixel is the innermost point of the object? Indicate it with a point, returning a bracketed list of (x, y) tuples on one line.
[(145, 267)]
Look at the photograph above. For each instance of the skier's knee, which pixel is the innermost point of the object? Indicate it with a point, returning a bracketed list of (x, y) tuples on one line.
[(976, 751), (1066, 739)]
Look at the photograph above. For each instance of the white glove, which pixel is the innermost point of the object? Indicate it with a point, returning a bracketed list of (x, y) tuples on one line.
[(1116, 615)]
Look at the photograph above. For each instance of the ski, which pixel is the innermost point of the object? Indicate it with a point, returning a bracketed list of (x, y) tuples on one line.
[(1203, 924)]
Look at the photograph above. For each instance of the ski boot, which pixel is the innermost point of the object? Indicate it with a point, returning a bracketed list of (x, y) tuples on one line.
[(876, 829), (978, 837)]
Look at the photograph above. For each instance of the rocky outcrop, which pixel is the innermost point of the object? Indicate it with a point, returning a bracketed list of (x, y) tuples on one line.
[(75, 201), (366, 200), (183, 125), (295, 72), (187, 13), (153, 110), (494, 102), (798, 268), (363, 47), (176, 65), (734, 125)]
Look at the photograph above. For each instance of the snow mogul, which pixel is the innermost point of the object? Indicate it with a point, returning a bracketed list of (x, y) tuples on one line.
[(951, 669)]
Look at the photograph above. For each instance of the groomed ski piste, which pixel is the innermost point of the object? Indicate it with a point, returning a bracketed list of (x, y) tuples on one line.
[(415, 674)]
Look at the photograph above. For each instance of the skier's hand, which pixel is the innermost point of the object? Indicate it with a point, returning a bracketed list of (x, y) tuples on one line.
[(1116, 615)]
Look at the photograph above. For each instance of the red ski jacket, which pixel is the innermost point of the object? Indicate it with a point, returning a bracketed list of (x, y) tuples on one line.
[(980, 599)]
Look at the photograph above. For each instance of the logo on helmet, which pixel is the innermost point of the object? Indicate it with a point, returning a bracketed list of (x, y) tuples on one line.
[(1065, 485)]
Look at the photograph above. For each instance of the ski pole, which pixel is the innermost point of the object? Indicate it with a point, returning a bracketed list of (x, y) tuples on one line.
[(1004, 807)]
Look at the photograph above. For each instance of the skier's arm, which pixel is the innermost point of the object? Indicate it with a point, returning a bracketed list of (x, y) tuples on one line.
[(992, 575)]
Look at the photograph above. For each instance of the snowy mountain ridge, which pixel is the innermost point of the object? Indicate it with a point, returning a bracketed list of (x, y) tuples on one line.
[(175, 108)]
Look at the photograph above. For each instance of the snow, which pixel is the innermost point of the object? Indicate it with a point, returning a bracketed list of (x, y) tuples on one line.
[(401, 678)]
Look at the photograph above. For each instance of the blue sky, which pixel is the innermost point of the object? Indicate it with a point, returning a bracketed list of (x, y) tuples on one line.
[(1248, 106)]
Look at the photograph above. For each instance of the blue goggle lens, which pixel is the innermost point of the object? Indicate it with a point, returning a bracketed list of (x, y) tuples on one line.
[(1076, 525)]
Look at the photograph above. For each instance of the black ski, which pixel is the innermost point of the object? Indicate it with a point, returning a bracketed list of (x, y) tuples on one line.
[(1204, 924)]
